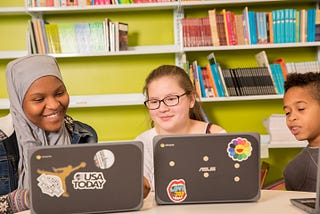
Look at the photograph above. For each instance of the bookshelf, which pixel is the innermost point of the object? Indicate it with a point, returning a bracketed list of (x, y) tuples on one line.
[(178, 9)]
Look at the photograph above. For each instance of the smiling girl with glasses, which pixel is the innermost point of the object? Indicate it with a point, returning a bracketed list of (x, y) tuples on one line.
[(173, 108)]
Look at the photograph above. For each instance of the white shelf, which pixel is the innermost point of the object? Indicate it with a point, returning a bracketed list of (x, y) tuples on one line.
[(295, 144), (96, 100), (239, 98), (4, 103), (192, 4), (250, 47), (137, 50), (12, 54), (12, 11), (103, 8), (106, 100), (266, 144), (265, 140)]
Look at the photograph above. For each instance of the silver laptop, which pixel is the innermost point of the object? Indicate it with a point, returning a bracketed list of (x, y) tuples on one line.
[(310, 205), (87, 178), (207, 168)]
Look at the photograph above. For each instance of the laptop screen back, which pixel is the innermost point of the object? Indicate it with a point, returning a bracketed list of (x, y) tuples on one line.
[(207, 168), (87, 178)]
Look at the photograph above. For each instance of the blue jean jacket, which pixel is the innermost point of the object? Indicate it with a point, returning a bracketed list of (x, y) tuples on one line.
[(9, 152), (9, 158)]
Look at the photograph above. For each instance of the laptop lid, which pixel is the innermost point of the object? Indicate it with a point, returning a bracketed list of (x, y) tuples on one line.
[(207, 168), (87, 178), (310, 205)]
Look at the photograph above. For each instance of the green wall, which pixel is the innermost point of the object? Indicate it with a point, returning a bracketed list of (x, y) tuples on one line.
[(126, 74)]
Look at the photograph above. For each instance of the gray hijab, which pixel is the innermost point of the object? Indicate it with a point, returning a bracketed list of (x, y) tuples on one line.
[(20, 74)]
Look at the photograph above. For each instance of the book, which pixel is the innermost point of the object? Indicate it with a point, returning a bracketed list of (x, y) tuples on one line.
[(192, 32), (229, 82), (196, 78), (253, 27), (217, 80), (261, 27), (303, 26), (246, 26), (234, 36), (224, 88), (227, 27), (44, 35), (201, 81), (123, 36), (278, 77), (33, 41), (221, 29), (185, 32), (211, 80), (270, 34), (283, 66), (209, 91), (67, 37), (52, 32), (107, 33), (82, 33), (112, 36), (264, 169), (311, 25), (39, 36), (263, 61), (317, 30), (213, 27), (239, 29), (277, 185), (298, 17), (205, 32), (97, 37)]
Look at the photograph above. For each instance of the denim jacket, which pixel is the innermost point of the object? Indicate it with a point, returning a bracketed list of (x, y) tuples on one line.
[(9, 152)]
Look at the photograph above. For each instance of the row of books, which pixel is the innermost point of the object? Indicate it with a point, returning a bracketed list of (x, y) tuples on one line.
[(212, 80), (279, 69), (303, 67), (93, 37), (251, 27), (64, 3)]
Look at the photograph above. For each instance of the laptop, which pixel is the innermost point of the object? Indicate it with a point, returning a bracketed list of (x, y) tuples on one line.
[(310, 205), (87, 178), (207, 168)]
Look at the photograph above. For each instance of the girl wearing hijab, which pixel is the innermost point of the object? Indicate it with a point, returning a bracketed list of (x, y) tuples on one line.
[(38, 105)]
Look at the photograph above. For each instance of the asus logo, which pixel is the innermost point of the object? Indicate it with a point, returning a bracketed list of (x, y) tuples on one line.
[(207, 169)]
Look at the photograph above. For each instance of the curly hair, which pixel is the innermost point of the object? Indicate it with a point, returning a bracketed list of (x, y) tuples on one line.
[(309, 80), (183, 81)]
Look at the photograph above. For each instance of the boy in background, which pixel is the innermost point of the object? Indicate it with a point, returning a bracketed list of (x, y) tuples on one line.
[(301, 104)]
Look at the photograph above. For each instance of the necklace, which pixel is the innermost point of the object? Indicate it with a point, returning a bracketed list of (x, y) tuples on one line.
[(310, 155)]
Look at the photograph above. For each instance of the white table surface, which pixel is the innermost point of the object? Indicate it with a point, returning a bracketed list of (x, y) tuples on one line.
[(270, 202)]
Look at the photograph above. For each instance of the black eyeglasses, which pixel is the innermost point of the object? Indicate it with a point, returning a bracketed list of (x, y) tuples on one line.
[(171, 100)]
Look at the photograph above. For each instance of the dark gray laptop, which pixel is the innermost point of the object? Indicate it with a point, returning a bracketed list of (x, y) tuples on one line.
[(310, 205), (207, 168), (87, 178)]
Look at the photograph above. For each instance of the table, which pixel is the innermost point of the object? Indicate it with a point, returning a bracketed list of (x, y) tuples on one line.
[(270, 202)]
